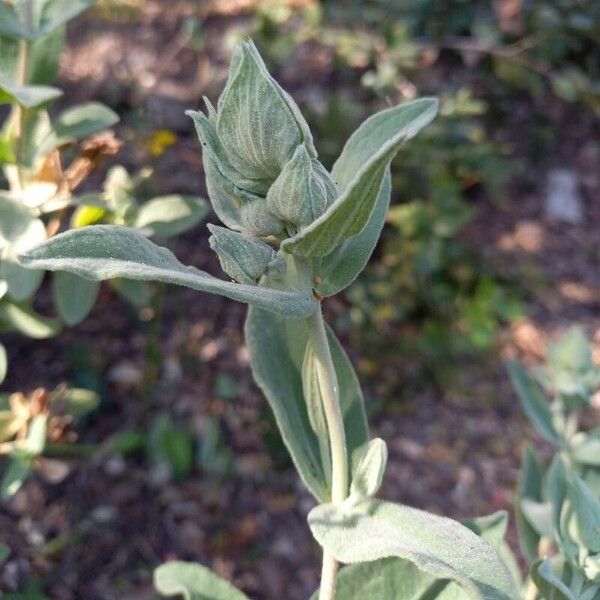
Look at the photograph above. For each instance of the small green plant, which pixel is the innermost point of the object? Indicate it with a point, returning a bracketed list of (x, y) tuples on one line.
[(558, 507), (296, 234), (33, 149)]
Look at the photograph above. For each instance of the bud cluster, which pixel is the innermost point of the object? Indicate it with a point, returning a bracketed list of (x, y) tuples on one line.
[(263, 177)]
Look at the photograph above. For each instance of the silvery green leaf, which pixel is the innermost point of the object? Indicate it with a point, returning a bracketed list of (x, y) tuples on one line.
[(311, 389), (587, 509), (392, 579), (369, 471), (27, 96), (3, 363), (302, 191), (14, 219), (277, 348), (19, 467), (547, 583), (258, 124), (214, 152), (25, 320), (586, 447), (373, 529), (78, 122), (533, 401), (358, 174), (257, 220), (36, 435), (167, 216), (138, 293), (243, 258), (340, 268), (572, 351), (193, 582), (73, 296), (539, 516), (107, 251), (529, 486)]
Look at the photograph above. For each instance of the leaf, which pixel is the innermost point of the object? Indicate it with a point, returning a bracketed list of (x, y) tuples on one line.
[(36, 435), (490, 527), (107, 251), (6, 152), (529, 486), (26, 321), (19, 467), (193, 582), (3, 363), (277, 347), (373, 529), (87, 215), (166, 216), (4, 553), (392, 579), (358, 174), (547, 583), (533, 401), (587, 510), (73, 296), (539, 516), (137, 293), (14, 219), (572, 351), (78, 401), (340, 268), (27, 96), (370, 470), (76, 123), (586, 447)]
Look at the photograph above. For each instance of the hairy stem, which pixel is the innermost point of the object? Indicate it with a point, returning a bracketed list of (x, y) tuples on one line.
[(337, 438)]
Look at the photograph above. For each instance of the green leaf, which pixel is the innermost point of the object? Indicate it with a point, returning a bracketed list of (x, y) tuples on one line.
[(137, 293), (528, 486), (586, 447), (572, 351), (538, 515), (15, 219), (19, 467), (26, 321), (587, 510), (77, 401), (77, 123), (193, 582), (107, 251), (547, 583), (373, 529), (6, 152), (28, 96), (533, 401), (490, 527), (87, 215), (36, 435), (172, 446), (73, 296), (3, 363), (277, 348), (369, 471), (4, 553), (166, 216), (10, 24), (392, 579), (358, 174), (340, 268)]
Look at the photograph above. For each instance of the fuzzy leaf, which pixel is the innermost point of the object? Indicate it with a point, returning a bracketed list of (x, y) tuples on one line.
[(587, 509), (74, 296), (370, 470), (547, 583), (19, 467), (107, 251), (358, 174), (586, 447), (3, 363), (392, 579), (28, 96), (167, 216), (193, 582), (373, 529), (277, 347), (533, 401), (340, 268), (26, 321)]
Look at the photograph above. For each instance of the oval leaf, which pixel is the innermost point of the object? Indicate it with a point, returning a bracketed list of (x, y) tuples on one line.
[(74, 296)]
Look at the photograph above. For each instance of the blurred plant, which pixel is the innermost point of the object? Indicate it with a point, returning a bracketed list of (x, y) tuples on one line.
[(33, 147), (296, 234), (558, 507), (30, 424)]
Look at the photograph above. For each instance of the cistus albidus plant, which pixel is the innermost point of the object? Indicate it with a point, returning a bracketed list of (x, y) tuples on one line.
[(296, 234), (558, 507)]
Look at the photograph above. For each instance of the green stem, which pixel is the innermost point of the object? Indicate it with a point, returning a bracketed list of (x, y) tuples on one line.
[(22, 68), (337, 438)]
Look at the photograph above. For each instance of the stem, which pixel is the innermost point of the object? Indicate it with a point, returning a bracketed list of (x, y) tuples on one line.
[(337, 438), (22, 67)]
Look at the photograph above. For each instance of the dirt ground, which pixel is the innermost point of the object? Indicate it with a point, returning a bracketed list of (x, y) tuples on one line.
[(98, 532)]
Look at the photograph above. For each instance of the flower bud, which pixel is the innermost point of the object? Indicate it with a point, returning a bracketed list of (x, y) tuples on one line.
[(303, 191), (258, 124), (257, 220), (243, 258)]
